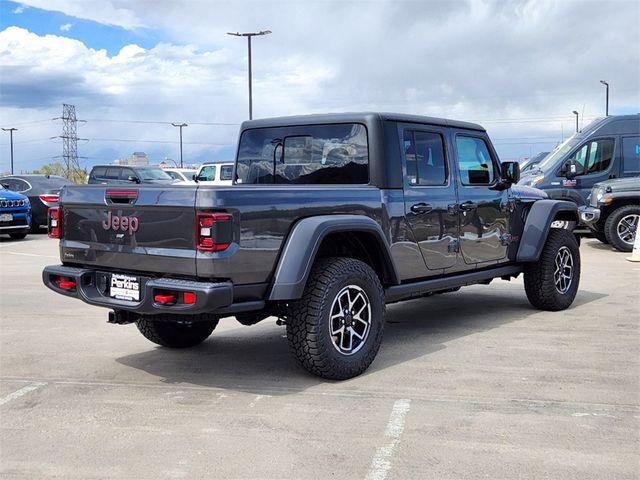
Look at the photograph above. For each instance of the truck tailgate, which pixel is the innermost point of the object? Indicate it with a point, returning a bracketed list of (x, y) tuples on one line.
[(130, 228)]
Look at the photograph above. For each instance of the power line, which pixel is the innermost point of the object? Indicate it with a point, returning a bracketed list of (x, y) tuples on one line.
[(132, 140), (157, 122)]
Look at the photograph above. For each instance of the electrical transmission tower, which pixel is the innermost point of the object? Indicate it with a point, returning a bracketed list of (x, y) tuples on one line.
[(69, 139)]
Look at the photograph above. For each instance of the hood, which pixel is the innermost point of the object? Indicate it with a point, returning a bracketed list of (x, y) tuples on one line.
[(10, 195), (527, 193), (620, 185)]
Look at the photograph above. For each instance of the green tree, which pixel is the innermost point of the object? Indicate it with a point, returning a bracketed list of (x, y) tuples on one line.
[(76, 175)]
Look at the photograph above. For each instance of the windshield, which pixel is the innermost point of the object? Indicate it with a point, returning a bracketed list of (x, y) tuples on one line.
[(152, 174), (559, 152)]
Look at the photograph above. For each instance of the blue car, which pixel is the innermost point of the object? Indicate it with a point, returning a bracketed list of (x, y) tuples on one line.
[(15, 213)]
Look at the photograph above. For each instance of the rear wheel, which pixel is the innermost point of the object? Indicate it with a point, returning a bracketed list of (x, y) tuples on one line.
[(168, 331), (335, 329), (18, 236), (552, 282), (620, 227)]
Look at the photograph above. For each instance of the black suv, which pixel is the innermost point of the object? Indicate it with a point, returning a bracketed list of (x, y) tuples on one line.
[(119, 174), (330, 217)]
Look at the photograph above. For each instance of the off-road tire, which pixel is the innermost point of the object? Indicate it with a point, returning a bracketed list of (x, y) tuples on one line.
[(611, 227), (17, 236), (166, 331), (308, 319), (539, 280)]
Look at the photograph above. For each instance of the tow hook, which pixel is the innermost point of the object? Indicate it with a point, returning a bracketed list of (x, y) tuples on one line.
[(122, 317)]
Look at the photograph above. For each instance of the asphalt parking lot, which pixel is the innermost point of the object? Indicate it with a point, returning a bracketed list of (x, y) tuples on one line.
[(474, 384)]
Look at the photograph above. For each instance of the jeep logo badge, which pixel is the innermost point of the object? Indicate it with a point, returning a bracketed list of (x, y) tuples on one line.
[(116, 222)]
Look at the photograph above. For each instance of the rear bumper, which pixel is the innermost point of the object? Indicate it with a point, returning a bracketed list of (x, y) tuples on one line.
[(588, 215), (91, 288)]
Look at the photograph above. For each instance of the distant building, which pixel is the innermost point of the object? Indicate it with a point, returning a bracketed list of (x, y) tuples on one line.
[(136, 158)]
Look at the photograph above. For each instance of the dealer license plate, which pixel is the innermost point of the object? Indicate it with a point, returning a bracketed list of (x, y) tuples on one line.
[(125, 287), (6, 217)]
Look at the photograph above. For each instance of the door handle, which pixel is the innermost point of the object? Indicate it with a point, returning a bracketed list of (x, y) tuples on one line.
[(421, 208), (468, 206)]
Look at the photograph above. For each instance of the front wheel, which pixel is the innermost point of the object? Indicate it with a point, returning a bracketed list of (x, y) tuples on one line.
[(552, 282), (18, 236), (335, 329), (169, 331), (621, 226)]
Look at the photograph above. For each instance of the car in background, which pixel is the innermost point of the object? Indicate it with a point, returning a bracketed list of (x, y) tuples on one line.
[(181, 174), (613, 212), (42, 191), (533, 162), (127, 174), (215, 173), (15, 214)]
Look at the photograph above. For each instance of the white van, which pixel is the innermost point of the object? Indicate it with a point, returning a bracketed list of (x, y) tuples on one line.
[(216, 173)]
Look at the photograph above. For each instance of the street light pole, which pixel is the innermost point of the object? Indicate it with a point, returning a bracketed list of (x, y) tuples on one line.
[(11, 130), (249, 35), (576, 114), (607, 106), (180, 125)]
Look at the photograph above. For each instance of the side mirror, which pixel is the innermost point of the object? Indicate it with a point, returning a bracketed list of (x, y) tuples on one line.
[(510, 172), (569, 169), (133, 179), (194, 177)]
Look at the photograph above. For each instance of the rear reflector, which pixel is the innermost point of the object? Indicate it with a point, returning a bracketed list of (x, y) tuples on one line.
[(55, 222), (66, 283), (213, 232), (164, 299), (189, 298)]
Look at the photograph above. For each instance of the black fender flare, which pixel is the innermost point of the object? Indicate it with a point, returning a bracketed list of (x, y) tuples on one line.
[(538, 224), (302, 244)]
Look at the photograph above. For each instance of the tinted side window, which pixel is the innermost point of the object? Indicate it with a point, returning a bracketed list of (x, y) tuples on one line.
[(125, 173), (98, 172), (16, 185), (425, 160), (474, 161), (174, 175), (311, 154), (226, 172), (631, 154), (594, 156), (112, 173)]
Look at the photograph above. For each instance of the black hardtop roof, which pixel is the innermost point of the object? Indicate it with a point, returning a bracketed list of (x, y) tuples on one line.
[(356, 117)]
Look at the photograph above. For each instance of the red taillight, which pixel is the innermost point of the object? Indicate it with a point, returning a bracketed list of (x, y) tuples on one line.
[(55, 222), (164, 299), (49, 199), (211, 236)]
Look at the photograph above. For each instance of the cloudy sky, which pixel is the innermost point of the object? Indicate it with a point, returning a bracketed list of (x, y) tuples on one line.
[(131, 67)]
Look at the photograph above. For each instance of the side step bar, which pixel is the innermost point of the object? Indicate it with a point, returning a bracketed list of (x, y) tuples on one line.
[(401, 292)]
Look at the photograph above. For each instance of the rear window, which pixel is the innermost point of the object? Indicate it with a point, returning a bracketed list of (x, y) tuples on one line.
[(226, 172), (311, 154)]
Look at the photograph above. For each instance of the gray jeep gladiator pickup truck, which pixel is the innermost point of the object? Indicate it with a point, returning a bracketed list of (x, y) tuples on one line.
[(329, 218)]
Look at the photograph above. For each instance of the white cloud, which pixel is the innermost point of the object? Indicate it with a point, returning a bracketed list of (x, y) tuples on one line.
[(66, 27), (487, 61), (18, 10)]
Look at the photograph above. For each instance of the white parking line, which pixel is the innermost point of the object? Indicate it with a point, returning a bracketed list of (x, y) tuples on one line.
[(31, 255), (381, 463), (21, 392)]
